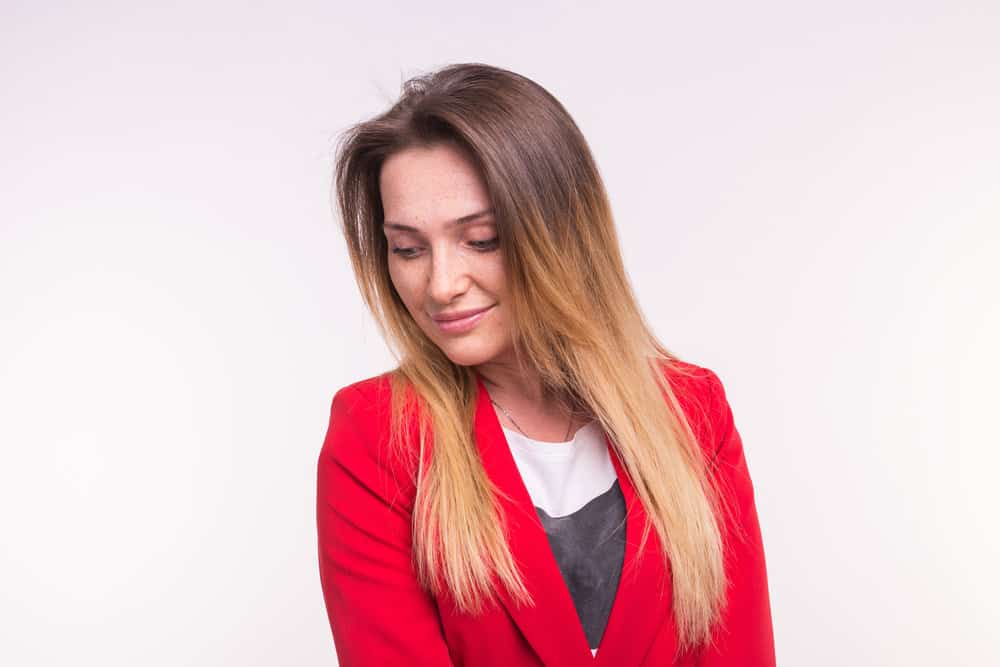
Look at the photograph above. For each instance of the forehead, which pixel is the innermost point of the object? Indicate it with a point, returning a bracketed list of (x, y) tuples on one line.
[(431, 185)]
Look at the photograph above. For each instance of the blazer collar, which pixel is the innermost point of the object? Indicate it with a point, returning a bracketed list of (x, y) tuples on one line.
[(552, 627)]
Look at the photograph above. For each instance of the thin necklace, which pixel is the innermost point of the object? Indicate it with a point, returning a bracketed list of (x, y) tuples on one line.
[(569, 426)]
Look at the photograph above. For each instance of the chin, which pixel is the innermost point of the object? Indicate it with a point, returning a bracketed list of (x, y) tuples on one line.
[(466, 358), (468, 354)]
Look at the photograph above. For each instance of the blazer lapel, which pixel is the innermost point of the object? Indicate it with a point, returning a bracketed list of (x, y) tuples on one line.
[(642, 606), (552, 626)]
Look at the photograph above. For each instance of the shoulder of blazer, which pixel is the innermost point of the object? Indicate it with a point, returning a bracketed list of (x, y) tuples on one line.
[(357, 439), (702, 398), (367, 400), (372, 388)]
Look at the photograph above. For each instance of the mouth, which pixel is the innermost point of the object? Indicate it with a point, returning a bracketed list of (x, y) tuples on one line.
[(465, 323)]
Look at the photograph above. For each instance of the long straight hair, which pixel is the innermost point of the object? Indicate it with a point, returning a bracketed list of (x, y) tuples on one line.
[(577, 322)]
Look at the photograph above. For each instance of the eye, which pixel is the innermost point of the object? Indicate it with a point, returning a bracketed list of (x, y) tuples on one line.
[(405, 253), (489, 244)]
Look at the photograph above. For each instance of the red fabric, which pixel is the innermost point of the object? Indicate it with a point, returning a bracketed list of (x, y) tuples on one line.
[(380, 616)]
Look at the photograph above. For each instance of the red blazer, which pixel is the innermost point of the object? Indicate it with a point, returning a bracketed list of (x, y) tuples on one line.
[(380, 616)]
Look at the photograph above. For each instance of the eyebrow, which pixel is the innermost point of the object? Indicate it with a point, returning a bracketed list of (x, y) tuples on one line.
[(458, 221)]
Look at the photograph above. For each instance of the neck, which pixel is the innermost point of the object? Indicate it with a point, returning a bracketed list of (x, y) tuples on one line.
[(505, 378), (519, 388)]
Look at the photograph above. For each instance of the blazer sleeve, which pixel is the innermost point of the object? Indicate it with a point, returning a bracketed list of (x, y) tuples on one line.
[(745, 636), (378, 613)]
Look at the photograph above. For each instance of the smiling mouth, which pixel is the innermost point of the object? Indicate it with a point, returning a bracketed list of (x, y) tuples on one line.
[(463, 324)]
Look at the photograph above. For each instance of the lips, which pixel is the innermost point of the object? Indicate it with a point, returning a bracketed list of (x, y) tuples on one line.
[(461, 321), (459, 314)]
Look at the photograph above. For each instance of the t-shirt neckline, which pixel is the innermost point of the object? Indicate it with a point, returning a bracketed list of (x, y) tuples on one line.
[(543, 443)]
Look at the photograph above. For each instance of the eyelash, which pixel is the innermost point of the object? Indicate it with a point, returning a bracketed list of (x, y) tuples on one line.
[(489, 245)]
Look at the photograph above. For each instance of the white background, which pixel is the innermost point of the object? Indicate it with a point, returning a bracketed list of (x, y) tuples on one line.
[(808, 198)]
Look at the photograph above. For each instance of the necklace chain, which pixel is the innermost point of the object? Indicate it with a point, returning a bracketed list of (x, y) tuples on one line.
[(568, 426)]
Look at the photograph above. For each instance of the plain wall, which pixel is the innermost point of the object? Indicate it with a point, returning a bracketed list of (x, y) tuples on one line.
[(808, 200)]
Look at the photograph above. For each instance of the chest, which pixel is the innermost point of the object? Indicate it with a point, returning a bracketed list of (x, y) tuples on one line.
[(573, 535)]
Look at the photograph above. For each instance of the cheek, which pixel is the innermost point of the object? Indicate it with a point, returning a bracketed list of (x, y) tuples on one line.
[(492, 275), (404, 281)]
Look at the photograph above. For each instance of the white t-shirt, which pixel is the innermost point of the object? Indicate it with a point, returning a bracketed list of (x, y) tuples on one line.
[(574, 488)]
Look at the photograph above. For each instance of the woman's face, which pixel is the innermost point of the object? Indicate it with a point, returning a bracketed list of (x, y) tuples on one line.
[(444, 258)]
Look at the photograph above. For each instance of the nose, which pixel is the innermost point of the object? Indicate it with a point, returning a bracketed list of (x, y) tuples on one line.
[(449, 276)]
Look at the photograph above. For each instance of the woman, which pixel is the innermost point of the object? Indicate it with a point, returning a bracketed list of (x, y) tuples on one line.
[(539, 481)]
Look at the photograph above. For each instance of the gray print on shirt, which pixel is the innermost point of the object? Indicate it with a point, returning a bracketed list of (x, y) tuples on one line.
[(589, 546)]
